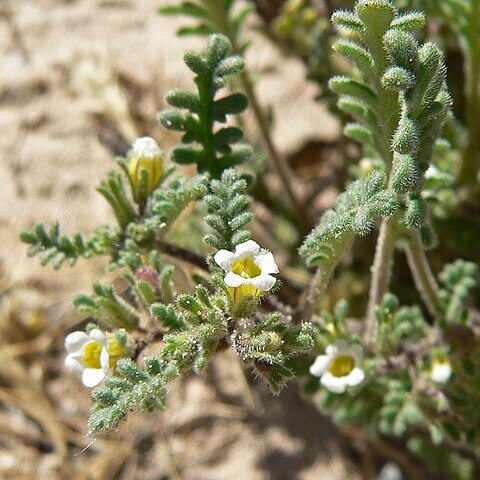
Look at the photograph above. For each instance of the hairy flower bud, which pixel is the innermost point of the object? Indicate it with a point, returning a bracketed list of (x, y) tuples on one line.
[(145, 156)]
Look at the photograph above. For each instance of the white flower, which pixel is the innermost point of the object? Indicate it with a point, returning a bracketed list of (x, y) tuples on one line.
[(340, 367), (88, 356), (146, 147), (432, 172), (248, 271), (441, 370)]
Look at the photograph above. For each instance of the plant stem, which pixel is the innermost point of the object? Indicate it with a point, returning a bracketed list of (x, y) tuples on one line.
[(182, 253), (381, 273), (278, 161), (422, 274), (319, 283), (469, 167), (382, 265), (280, 165)]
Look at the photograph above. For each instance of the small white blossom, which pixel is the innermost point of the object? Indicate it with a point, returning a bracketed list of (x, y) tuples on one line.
[(248, 270), (441, 370), (432, 172), (146, 147), (339, 368), (88, 356)]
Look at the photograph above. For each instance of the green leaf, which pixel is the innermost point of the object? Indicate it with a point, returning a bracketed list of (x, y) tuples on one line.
[(348, 21), (212, 151), (348, 86)]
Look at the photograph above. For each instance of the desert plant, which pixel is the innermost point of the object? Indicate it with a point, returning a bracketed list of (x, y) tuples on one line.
[(404, 372)]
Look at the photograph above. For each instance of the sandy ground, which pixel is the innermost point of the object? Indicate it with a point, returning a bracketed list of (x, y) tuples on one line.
[(52, 156)]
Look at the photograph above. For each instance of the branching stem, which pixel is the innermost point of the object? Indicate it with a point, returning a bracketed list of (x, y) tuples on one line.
[(183, 254), (278, 161), (319, 283), (381, 273), (422, 274)]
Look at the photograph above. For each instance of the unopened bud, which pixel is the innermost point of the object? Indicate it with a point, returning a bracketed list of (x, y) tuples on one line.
[(147, 156)]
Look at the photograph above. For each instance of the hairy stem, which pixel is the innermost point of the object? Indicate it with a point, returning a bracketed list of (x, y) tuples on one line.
[(319, 284), (280, 165), (389, 111), (381, 273), (183, 254), (278, 161), (422, 274), (469, 166)]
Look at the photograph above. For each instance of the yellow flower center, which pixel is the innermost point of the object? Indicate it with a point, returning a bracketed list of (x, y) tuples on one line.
[(115, 351), (91, 354), (246, 268), (341, 365)]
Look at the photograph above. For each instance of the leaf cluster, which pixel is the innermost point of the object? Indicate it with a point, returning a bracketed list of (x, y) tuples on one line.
[(269, 345), (54, 247), (396, 324), (197, 114), (355, 213), (458, 280), (398, 98), (212, 16), (228, 208)]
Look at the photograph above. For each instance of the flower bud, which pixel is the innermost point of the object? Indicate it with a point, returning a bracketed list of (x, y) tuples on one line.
[(147, 156)]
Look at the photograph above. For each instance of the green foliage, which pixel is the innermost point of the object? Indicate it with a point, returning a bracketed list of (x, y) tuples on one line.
[(270, 345), (355, 213), (400, 410), (200, 112), (166, 204), (228, 211), (458, 279), (196, 324), (57, 248), (441, 460), (131, 387), (213, 16), (394, 90), (113, 190), (397, 324), (108, 307), (398, 97)]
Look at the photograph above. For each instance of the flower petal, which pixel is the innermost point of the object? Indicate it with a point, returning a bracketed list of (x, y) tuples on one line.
[(263, 282), (224, 259), (91, 377), (247, 248), (98, 336), (233, 280), (266, 262), (441, 372), (334, 384), (146, 147), (337, 347), (75, 341), (72, 364), (355, 377), (320, 365), (105, 359)]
